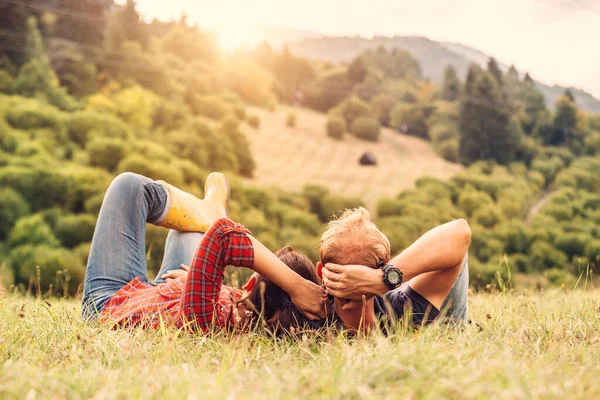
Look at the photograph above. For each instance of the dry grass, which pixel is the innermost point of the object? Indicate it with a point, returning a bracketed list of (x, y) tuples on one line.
[(289, 158), (526, 346)]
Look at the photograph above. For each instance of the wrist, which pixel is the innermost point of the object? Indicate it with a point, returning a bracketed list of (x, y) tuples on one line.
[(376, 284)]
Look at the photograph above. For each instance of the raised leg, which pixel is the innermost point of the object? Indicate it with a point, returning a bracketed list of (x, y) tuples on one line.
[(456, 305), (118, 252), (179, 249)]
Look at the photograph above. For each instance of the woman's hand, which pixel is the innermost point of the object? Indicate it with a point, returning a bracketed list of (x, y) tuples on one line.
[(310, 299), (353, 281), (176, 273)]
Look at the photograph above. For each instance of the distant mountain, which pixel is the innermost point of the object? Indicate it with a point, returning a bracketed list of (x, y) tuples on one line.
[(432, 55)]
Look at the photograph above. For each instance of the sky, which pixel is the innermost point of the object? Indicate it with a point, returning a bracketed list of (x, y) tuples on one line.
[(557, 41)]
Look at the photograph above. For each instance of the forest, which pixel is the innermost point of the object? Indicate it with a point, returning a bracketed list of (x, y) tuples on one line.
[(92, 90)]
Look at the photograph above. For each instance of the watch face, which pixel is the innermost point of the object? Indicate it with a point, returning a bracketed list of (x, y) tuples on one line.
[(393, 277)]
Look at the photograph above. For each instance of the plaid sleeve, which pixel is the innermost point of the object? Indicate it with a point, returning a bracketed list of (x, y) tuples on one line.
[(225, 243)]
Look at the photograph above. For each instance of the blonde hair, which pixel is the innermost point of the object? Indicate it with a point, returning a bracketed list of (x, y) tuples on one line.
[(353, 238)]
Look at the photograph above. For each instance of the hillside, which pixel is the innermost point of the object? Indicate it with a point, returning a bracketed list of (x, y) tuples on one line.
[(433, 56), (289, 158)]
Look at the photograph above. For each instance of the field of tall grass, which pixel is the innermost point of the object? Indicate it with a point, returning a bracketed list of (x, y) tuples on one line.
[(519, 346)]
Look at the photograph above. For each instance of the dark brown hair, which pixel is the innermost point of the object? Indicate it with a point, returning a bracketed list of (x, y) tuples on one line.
[(272, 304)]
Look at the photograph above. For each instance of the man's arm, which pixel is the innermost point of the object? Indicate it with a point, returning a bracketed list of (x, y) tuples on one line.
[(442, 247)]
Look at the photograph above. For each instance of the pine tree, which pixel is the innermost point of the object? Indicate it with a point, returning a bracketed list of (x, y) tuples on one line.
[(451, 85), (472, 75), (569, 94), (485, 126), (494, 69), (528, 80)]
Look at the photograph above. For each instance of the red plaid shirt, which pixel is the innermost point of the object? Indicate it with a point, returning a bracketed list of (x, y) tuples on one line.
[(200, 300)]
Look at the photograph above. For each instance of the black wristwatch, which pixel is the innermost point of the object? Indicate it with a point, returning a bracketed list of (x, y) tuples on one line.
[(392, 276)]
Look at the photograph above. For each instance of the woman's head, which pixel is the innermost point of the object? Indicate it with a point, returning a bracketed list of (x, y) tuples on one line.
[(272, 303)]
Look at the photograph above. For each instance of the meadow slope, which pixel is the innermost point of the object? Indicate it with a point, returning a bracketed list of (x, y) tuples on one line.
[(289, 158), (524, 346)]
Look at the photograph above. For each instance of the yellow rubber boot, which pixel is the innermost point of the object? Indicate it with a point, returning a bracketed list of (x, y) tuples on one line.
[(188, 213)]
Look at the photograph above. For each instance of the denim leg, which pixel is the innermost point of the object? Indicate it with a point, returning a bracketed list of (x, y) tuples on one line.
[(179, 249), (117, 254), (456, 303)]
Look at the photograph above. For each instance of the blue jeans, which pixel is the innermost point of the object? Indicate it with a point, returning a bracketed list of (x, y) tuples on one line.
[(118, 252)]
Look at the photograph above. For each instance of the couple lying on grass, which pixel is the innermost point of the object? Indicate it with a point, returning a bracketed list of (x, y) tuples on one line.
[(361, 285)]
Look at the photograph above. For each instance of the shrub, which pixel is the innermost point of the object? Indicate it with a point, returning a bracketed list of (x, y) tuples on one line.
[(12, 207), (290, 120), (73, 230), (58, 267), (33, 114), (544, 256), (211, 107), (487, 216), (32, 230), (572, 244), (7, 82), (85, 123), (351, 109), (448, 150), (254, 121), (592, 251), (336, 126), (315, 194), (366, 128), (106, 153), (333, 205), (39, 187), (471, 200)]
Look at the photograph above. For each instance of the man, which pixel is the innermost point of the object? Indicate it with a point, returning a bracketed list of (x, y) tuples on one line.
[(431, 276)]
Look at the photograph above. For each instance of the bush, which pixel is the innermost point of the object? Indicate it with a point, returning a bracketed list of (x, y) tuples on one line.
[(448, 150), (471, 200), (366, 128), (211, 107), (12, 207), (336, 126), (254, 121), (34, 115), (290, 120), (487, 216), (351, 109), (572, 244), (315, 194), (334, 205), (592, 251), (73, 230), (32, 230), (7, 82), (39, 187), (106, 153), (58, 267), (84, 124)]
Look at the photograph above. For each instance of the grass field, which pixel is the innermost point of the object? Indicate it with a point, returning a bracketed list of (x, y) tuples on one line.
[(525, 346), (289, 158)]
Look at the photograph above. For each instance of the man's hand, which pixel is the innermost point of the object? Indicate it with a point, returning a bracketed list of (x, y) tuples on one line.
[(353, 281), (310, 300), (176, 273)]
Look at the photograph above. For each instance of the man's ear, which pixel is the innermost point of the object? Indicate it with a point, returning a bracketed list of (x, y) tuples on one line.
[(320, 269)]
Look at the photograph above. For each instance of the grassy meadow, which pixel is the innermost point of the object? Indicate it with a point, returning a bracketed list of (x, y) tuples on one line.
[(520, 346)]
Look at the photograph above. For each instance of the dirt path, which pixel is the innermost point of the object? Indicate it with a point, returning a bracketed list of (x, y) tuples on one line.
[(538, 206)]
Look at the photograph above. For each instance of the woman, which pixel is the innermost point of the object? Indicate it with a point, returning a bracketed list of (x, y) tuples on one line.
[(117, 289)]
